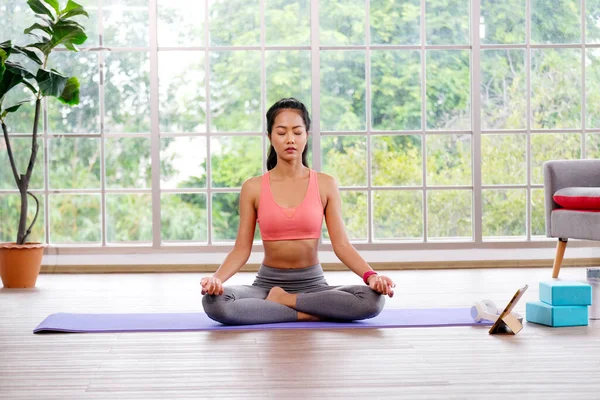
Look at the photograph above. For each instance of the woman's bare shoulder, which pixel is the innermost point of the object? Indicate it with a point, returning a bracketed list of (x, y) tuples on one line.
[(326, 181), (327, 184), (252, 184), (251, 188)]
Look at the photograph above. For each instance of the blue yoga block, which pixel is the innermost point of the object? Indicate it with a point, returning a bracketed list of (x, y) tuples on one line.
[(545, 314), (565, 293)]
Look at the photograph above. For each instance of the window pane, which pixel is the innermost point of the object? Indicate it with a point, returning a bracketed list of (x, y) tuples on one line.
[(125, 23), (555, 21), (592, 14), (502, 21), (16, 17), (288, 75), (592, 142), (538, 216), (127, 93), (181, 91), (74, 218), (183, 162), (128, 163), (90, 24), (343, 91), (397, 160), (448, 89), (449, 160), (592, 88), (180, 23), (21, 149), (235, 91), (129, 217), (447, 21), (234, 22), (354, 214), (342, 22), (184, 217), (345, 158), (504, 213), (21, 121), (555, 146), (503, 89), (396, 90), (74, 163), (397, 215), (287, 22), (84, 117), (449, 214), (503, 159), (556, 88), (234, 159), (10, 204), (395, 21), (225, 216)]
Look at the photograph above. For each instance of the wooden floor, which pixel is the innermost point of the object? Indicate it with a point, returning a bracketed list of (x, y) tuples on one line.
[(411, 363)]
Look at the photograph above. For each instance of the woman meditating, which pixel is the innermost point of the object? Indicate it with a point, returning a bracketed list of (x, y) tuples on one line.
[(289, 203)]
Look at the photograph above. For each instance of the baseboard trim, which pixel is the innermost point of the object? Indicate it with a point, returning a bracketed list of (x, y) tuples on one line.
[(327, 266)]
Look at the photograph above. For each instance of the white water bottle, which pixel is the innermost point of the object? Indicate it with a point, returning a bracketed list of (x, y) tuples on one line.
[(593, 278)]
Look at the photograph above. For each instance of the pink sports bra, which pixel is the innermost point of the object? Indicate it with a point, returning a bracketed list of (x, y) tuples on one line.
[(301, 222)]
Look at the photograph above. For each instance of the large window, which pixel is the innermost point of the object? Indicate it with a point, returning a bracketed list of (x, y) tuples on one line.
[(434, 116)]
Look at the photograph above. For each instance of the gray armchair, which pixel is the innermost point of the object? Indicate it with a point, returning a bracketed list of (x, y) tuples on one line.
[(564, 223)]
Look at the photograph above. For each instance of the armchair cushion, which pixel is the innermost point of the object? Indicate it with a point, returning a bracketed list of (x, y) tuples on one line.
[(575, 224), (578, 198)]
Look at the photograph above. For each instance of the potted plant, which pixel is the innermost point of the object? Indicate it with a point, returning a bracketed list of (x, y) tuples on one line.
[(20, 261)]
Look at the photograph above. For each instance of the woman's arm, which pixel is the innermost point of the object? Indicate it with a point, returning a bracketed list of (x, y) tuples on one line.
[(240, 253), (337, 232), (342, 247)]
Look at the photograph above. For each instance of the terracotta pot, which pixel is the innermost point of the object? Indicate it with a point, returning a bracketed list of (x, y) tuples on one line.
[(20, 264)]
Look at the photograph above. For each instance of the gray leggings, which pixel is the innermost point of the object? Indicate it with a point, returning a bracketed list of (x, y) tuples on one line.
[(245, 304)]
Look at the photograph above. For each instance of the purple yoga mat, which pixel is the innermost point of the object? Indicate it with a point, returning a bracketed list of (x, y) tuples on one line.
[(389, 318)]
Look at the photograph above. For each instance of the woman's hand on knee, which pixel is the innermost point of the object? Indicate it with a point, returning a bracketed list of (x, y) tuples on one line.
[(382, 284), (211, 286)]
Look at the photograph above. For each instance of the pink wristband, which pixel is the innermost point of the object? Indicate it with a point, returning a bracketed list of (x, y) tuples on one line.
[(366, 276)]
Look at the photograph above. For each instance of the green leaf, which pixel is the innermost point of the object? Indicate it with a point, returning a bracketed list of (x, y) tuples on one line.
[(13, 75), (18, 69), (48, 21), (74, 24), (9, 81), (39, 38), (54, 4), (29, 53), (35, 26), (72, 9), (43, 46), (30, 87), (70, 94), (51, 82), (3, 57), (39, 7), (5, 50), (67, 33), (6, 46), (16, 106), (71, 47)]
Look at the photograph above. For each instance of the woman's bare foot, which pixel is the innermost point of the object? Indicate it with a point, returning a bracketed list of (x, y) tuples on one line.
[(278, 295)]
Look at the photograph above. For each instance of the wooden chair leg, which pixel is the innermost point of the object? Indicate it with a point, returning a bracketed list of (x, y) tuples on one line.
[(560, 252)]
